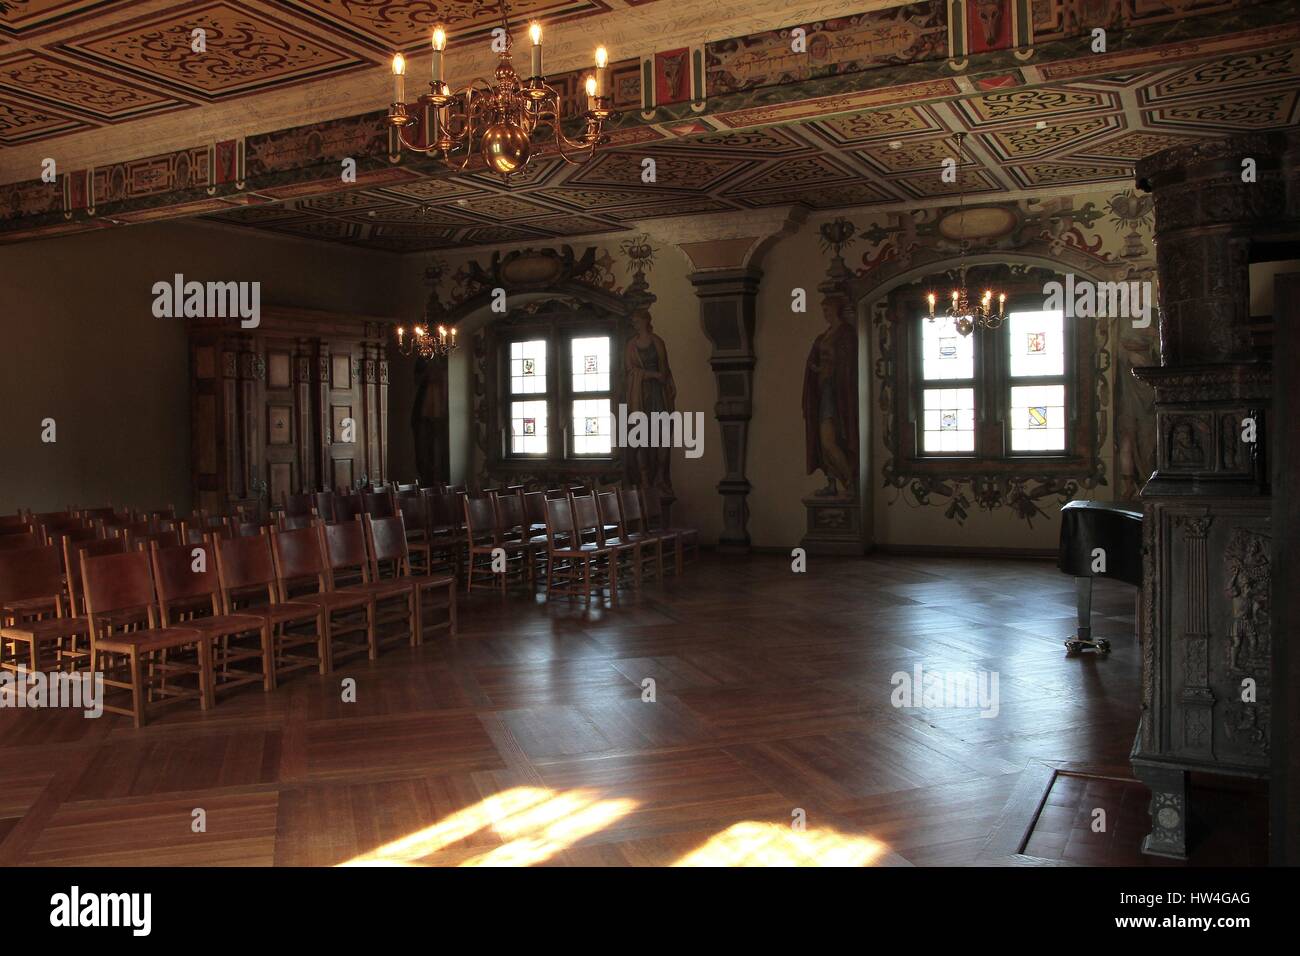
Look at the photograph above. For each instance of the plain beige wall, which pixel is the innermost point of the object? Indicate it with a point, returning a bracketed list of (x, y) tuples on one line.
[(79, 343)]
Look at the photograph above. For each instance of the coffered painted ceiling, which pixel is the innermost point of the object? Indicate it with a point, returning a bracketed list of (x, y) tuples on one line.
[(864, 118)]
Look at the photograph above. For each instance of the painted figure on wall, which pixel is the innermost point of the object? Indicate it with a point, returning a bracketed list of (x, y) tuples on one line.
[(429, 423), (830, 401), (649, 388)]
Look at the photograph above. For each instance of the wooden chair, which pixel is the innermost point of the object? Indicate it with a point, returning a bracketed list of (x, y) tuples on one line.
[(293, 522), (109, 529), (189, 595), (590, 529), (347, 507), (388, 547), (22, 542), (143, 541), (247, 578), (299, 504), (140, 661), (568, 559), (300, 566), (447, 538), (31, 582), (15, 524), (483, 538), (351, 569), (378, 504), (514, 528), (413, 509), (635, 522), (688, 539), (650, 555), (251, 529)]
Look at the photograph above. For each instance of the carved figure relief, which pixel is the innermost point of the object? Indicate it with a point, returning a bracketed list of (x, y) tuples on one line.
[(649, 388)]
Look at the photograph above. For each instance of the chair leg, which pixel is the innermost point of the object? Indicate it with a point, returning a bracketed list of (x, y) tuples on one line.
[(417, 625), (451, 608), (207, 679), (137, 689), (268, 657), (326, 630), (372, 632)]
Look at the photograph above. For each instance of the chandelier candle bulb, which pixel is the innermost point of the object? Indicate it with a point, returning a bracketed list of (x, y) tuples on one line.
[(439, 44), (930, 299), (602, 58), (591, 93), (535, 32), (399, 79)]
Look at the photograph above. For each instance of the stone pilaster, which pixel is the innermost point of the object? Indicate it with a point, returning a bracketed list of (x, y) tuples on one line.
[(727, 314)]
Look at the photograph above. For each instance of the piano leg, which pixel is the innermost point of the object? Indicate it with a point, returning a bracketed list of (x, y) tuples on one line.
[(1083, 636)]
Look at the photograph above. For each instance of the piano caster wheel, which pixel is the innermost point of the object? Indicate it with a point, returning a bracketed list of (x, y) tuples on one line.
[(1103, 647), (1073, 647)]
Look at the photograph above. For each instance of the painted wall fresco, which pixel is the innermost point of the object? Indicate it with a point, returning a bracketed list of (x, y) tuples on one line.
[(899, 35)]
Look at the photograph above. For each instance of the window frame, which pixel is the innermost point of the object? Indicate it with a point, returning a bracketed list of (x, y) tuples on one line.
[(557, 330), (992, 382)]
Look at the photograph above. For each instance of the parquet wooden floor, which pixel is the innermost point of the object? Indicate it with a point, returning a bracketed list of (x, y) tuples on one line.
[(527, 739)]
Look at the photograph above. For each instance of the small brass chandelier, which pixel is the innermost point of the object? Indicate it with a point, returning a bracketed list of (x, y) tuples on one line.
[(965, 313), (497, 120), (426, 342)]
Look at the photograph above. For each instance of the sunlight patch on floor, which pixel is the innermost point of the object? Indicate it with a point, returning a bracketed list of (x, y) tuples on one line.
[(774, 844), (535, 824)]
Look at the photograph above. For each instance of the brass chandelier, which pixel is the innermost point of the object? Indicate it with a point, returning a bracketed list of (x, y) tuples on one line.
[(497, 120), (426, 342), (968, 314)]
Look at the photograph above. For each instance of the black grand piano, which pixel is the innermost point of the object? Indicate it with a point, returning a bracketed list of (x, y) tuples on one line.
[(1099, 539)]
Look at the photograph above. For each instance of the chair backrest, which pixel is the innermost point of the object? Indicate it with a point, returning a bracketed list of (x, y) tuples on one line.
[(346, 507), (31, 574), (535, 507), (324, 504), (72, 552), (179, 575), (585, 519), (559, 521), (15, 524), (610, 513), (192, 535), (557, 493), (387, 539), (162, 514), (110, 512), (299, 556), (405, 489), (451, 511), (243, 564), (117, 582), (22, 542), (633, 515), (250, 529), (168, 539), (480, 518), (345, 550), (292, 522), (58, 521), (652, 508), (299, 504), (128, 530), (510, 513), (414, 511), (378, 504)]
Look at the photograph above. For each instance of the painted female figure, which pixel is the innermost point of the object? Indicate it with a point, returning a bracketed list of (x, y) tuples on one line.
[(649, 388)]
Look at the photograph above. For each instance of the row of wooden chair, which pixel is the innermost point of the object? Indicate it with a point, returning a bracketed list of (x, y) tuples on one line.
[(151, 621)]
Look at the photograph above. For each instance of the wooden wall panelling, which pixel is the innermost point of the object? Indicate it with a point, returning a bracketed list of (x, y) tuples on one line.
[(263, 406)]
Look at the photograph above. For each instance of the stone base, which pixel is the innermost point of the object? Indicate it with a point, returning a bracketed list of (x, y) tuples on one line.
[(834, 526)]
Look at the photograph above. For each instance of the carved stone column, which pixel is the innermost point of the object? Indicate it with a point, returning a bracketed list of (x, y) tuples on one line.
[(1204, 621), (727, 313)]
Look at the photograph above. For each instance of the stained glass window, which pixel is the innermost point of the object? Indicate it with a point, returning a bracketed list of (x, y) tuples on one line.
[(528, 367), (949, 420), (528, 428), (590, 364), (1038, 418), (591, 427), (1036, 342), (944, 353)]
